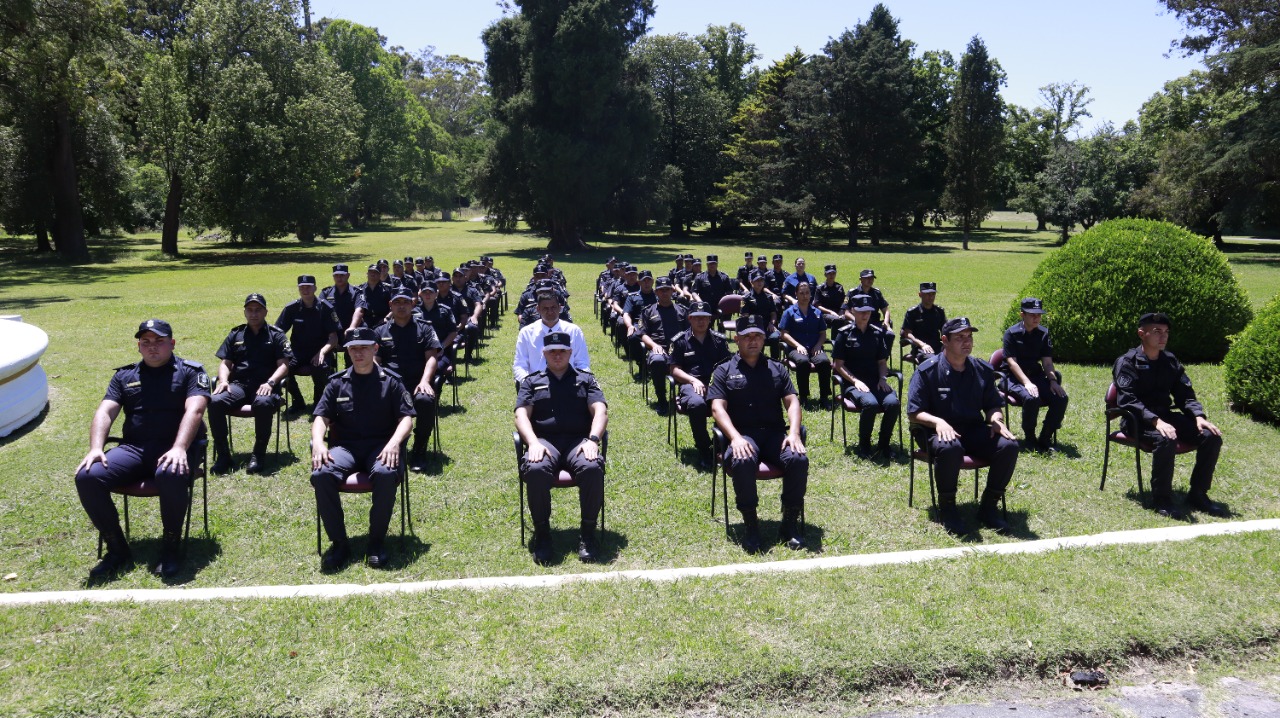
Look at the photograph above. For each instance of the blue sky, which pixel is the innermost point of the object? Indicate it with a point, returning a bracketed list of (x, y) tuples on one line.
[(1117, 47)]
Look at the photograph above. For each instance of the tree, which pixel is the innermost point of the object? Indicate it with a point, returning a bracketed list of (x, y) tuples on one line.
[(975, 135), (731, 57), (935, 80), (573, 119), (1066, 104), (692, 117), (454, 91), (1027, 145)]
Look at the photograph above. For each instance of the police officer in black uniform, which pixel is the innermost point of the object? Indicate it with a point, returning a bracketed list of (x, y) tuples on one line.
[(441, 319), (408, 346), (374, 302), (776, 280), (712, 285), (861, 359), (830, 300), (743, 280), (632, 307), (695, 352), (255, 360), (561, 415), (953, 397), (401, 278), (471, 319), (342, 296), (659, 324), (763, 303), (1154, 390), (313, 328), (922, 325), (1026, 345), (361, 421), (748, 392), (164, 398), (880, 317)]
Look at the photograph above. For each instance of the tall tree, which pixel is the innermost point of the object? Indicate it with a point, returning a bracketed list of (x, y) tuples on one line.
[(731, 57), (573, 119), (454, 91), (975, 136), (935, 73)]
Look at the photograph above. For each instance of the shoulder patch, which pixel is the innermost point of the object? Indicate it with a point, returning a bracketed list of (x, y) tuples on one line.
[(126, 366), (193, 364)]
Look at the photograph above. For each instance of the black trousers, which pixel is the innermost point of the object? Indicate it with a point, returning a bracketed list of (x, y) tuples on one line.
[(811, 363), (319, 377), (426, 405), (1031, 408), (237, 395), (346, 460), (1208, 447), (766, 446), (659, 366), (698, 410), (127, 464), (976, 441), (869, 404), (562, 454)]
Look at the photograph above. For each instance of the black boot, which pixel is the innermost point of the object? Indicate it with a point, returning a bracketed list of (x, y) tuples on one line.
[(375, 555), (117, 558), (1162, 503), (949, 515), (335, 559), (221, 460), (1200, 501), (587, 550), (989, 513), (257, 463), (751, 526), (297, 405), (542, 543), (791, 528), (170, 555), (418, 455)]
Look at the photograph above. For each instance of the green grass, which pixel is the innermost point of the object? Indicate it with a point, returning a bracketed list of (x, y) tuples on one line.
[(564, 651)]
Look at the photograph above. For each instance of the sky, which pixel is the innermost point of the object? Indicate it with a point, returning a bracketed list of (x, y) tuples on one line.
[(1120, 49)]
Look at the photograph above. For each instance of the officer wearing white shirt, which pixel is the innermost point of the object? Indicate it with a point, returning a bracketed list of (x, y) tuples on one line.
[(529, 358)]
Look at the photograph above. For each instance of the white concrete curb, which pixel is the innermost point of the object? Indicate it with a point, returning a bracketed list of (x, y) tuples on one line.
[(1114, 538)]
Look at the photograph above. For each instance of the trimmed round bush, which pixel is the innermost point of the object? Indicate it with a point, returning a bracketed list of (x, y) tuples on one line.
[(1251, 381), (1095, 288)]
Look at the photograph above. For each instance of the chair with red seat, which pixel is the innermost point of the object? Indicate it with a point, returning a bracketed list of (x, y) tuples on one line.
[(765, 472), (998, 364), (1115, 413), (564, 479), (921, 451), (729, 306), (847, 406), (360, 482), (197, 458), (245, 411)]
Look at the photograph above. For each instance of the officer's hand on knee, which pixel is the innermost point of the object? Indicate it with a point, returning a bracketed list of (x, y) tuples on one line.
[(320, 457), (1204, 424), (741, 449), (220, 387), (1166, 429), (945, 432), (390, 455), (537, 452), (265, 389), (94, 456), (175, 460)]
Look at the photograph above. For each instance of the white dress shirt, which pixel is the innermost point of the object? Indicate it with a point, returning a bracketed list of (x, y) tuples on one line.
[(529, 348)]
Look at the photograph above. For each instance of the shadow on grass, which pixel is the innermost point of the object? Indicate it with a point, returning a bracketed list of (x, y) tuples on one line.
[(772, 542), (26, 428), (198, 552), (564, 545)]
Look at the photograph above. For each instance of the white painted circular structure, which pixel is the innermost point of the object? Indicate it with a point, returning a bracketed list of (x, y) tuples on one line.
[(24, 388)]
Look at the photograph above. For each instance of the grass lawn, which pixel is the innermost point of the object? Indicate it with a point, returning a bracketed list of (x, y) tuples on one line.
[(627, 647)]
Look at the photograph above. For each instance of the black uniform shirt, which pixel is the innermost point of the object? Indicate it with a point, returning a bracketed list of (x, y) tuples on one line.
[(754, 395), (699, 358), (457, 304), (343, 303), (637, 302), (878, 302), (308, 329), (1153, 388), (621, 290), (441, 319), (254, 357), (403, 349), (762, 304), (376, 302), (744, 274), (926, 324), (710, 289), (1028, 348), (662, 324), (776, 279), (830, 297), (408, 280), (560, 407), (363, 407), (155, 398), (959, 398), (861, 352)]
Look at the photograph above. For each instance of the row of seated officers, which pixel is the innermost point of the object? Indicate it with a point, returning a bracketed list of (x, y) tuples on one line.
[(366, 413)]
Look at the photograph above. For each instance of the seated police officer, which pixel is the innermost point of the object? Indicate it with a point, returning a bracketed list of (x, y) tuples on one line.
[(373, 300), (255, 359), (313, 327), (695, 352), (164, 399), (954, 398), (922, 325), (362, 419), (1153, 387), (861, 359), (659, 324), (748, 392), (407, 345), (342, 296), (561, 416), (1027, 344), (763, 303)]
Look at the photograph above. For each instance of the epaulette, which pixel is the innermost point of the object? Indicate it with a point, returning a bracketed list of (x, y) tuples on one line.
[(126, 366), (238, 327), (729, 358), (927, 363), (340, 374), (271, 326), (193, 364), (717, 334)]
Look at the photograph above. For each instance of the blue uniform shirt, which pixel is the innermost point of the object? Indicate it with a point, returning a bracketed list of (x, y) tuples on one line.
[(804, 327), (154, 399), (959, 398), (753, 394)]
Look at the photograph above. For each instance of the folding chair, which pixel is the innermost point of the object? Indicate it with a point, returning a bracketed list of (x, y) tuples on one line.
[(361, 482), (848, 406), (564, 479), (1137, 443), (245, 411), (730, 306), (197, 460), (921, 451), (675, 411), (765, 472)]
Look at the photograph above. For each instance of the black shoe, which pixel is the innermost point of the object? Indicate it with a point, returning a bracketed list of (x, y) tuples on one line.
[(170, 556), (335, 558), (222, 464), (989, 516), (117, 558), (541, 548), (587, 551), (256, 464), (375, 555), (418, 457), (663, 408), (1202, 503), (751, 537), (864, 453), (1046, 447), (705, 461), (949, 517), (791, 528), (297, 408), (1163, 505), (825, 403), (888, 453)]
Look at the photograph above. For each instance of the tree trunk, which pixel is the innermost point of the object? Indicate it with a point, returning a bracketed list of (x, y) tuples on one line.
[(965, 231), (172, 216), (1217, 235), (42, 241), (713, 225), (1066, 234), (446, 214), (853, 235), (1040, 223), (877, 226), (68, 220), (565, 238), (917, 222)]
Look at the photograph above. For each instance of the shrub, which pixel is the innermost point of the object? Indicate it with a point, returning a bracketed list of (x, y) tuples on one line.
[(1249, 368), (1095, 288)]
